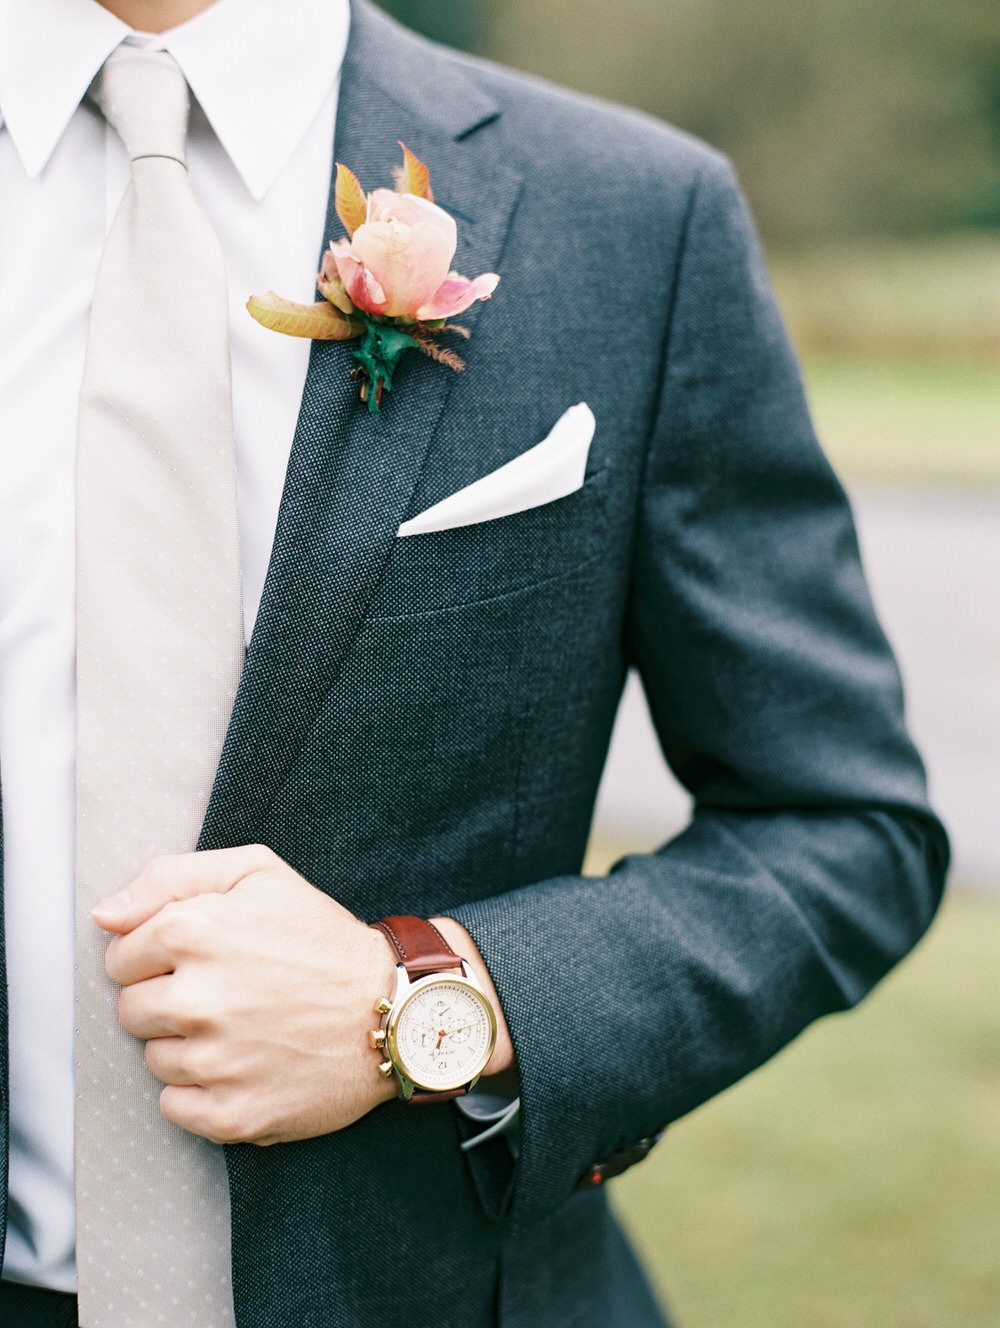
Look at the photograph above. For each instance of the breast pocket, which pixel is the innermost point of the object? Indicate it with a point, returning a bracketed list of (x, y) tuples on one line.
[(447, 568)]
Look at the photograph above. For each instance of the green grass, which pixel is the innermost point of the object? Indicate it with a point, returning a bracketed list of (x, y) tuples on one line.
[(901, 348), (923, 298), (855, 1180), (932, 421)]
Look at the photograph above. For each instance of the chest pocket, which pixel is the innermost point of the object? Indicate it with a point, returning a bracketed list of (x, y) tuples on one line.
[(448, 568)]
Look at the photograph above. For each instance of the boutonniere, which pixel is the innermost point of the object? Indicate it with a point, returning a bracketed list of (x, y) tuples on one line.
[(389, 282)]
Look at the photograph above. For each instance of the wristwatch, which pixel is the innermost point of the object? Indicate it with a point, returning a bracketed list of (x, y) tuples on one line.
[(439, 1029)]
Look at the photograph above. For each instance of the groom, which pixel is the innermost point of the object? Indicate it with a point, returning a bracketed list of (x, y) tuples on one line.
[(202, 1126)]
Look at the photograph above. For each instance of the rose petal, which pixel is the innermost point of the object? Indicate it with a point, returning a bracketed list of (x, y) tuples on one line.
[(363, 288), (330, 285), (456, 293), (386, 205), (409, 263), (328, 267), (335, 291)]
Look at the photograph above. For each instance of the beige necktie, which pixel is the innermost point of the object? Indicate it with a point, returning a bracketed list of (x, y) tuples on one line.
[(159, 652)]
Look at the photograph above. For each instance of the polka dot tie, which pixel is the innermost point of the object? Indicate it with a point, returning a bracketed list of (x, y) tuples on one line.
[(159, 652)]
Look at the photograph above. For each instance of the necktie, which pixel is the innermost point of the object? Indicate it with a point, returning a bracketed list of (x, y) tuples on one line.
[(159, 652)]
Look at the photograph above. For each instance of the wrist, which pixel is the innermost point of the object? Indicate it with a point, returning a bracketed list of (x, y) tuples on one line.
[(462, 943), (382, 970)]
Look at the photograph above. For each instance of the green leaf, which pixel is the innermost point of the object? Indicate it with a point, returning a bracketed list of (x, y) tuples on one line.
[(349, 199), (319, 321), (380, 351)]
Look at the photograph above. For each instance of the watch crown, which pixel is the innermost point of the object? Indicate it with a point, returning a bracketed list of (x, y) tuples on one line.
[(385, 1069), (376, 1038), (383, 1005)]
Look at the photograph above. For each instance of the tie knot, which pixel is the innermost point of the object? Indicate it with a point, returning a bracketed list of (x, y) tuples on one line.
[(144, 96)]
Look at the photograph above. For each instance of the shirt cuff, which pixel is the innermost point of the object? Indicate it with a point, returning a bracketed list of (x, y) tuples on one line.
[(496, 1110)]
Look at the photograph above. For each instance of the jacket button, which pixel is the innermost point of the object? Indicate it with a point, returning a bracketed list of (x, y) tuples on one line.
[(615, 1163)]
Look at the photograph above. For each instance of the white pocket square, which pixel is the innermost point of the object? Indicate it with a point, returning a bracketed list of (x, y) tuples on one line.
[(553, 468)]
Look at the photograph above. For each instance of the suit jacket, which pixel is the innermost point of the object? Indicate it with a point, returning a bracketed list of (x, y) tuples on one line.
[(422, 722)]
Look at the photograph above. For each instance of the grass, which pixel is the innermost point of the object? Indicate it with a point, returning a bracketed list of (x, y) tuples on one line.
[(900, 342), (920, 298), (924, 421), (855, 1180)]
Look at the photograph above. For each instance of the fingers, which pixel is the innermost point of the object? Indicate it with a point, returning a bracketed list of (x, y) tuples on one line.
[(139, 955), (181, 929), (180, 876), (154, 1009), (169, 1058), (189, 1107), (216, 1116)]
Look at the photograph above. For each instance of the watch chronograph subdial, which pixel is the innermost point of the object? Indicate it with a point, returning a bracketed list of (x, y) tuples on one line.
[(421, 1036)]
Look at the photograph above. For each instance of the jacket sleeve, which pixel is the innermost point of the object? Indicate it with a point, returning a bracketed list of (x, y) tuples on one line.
[(812, 862)]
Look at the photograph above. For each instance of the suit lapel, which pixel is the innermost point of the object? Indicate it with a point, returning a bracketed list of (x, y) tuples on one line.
[(351, 476)]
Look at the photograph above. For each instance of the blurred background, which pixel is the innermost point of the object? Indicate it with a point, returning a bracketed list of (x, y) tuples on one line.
[(855, 1180)]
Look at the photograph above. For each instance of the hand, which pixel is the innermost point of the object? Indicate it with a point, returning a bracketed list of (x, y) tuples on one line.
[(255, 992)]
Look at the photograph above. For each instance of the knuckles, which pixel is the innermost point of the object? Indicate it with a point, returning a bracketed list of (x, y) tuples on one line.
[(179, 1009), (169, 875), (160, 870), (188, 1013), (260, 857), (231, 1125), (223, 1120), (182, 1057), (183, 927)]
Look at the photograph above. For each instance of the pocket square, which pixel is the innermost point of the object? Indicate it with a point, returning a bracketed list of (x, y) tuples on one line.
[(553, 468)]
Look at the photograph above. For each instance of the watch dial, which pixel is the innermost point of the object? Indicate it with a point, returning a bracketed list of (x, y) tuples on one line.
[(443, 1035)]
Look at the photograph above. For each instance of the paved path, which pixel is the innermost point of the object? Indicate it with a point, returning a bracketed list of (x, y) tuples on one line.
[(933, 561)]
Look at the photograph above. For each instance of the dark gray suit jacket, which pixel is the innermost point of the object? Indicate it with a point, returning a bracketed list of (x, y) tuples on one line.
[(422, 723)]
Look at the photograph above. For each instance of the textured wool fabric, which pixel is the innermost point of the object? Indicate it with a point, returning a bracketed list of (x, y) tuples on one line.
[(159, 651), (33, 1307), (422, 723)]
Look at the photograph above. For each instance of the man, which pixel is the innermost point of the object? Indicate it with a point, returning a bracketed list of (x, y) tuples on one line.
[(201, 1132)]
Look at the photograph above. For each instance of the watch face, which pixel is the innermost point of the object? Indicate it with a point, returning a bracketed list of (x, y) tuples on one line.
[(444, 1033)]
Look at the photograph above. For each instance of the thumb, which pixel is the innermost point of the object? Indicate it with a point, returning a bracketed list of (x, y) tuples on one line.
[(180, 876)]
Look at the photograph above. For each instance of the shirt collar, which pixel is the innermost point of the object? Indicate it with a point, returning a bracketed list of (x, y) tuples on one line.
[(260, 71)]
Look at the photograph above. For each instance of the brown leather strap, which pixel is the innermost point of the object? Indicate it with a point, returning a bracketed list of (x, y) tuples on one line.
[(420, 946), (419, 1096)]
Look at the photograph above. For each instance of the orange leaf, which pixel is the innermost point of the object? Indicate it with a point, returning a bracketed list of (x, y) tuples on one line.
[(349, 197), (320, 321), (413, 177)]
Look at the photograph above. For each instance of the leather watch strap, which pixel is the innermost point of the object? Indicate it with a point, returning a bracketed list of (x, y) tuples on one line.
[(418, 943)]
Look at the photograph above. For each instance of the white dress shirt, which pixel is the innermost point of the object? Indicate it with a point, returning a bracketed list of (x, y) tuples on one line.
[(264, 78)]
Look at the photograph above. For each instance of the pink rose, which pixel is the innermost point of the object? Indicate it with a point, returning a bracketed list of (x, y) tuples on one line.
[(390, 283), (397, 261)]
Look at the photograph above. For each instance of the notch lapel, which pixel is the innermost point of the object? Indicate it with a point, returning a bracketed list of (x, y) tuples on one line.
[(351, 476)]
